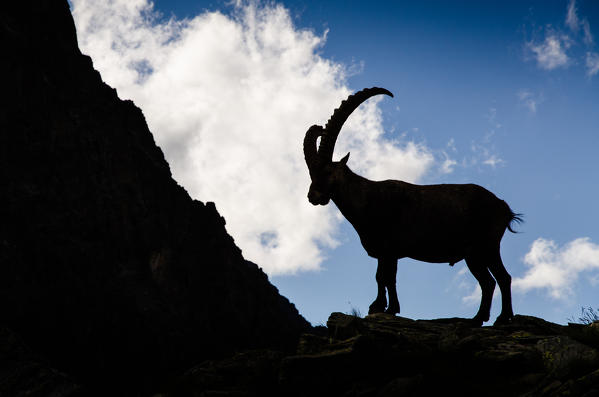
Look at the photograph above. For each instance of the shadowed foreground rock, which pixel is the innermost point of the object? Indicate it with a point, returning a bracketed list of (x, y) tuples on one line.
[(24, 374), (382, 355)]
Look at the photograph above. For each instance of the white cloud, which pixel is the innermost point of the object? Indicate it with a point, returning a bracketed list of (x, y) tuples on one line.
[(529, 100), (451, 145), (551, 53), (572, 17), (493, 161), (474, 297), (483, 155), (448, 164), (229, 98), (557, 269), (492, 117), (592, 63), (574, 23), (588, 36), (483, 150)]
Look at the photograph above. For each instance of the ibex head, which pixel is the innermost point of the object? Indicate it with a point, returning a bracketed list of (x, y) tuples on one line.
[(324, 172)]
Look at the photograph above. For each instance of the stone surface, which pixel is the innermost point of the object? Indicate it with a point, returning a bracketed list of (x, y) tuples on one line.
[(383, 355), (107, 267), (24, 374)]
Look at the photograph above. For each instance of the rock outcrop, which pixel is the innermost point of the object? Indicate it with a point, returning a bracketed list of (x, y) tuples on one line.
[(108, 269), (383, 355), (23, 374)]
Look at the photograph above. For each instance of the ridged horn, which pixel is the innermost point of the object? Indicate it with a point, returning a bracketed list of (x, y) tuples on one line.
[(310, 153), (333, 126)]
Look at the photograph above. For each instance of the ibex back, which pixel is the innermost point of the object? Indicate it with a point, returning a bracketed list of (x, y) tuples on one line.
[(395, 219)]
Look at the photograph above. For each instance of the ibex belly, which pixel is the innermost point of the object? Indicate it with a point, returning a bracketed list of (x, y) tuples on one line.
[(428, 247)]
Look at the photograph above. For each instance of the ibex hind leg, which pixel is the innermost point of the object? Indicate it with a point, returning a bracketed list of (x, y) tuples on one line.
[(505, 285), (386, 274), (478, 268)]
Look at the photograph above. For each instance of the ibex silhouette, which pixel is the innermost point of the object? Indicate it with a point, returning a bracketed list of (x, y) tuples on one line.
[(396, 219)]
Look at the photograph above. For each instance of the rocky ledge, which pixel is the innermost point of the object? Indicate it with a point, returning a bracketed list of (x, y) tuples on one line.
[(383, 355)]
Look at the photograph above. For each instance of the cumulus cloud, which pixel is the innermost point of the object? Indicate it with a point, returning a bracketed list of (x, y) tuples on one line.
[(592, 63), (229, 97), (557, 269), (551, 53)]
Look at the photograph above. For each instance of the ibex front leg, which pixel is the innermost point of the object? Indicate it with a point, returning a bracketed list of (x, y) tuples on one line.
[(390, 276), (385, 279)]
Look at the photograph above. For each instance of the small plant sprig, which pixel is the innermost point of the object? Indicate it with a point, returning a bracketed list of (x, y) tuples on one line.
[(354, 311), (587, 316)]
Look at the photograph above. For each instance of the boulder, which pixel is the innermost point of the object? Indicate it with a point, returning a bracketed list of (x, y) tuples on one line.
[(384, 355)]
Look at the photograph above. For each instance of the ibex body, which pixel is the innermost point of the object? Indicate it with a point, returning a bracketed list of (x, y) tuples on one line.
[(395, 219)]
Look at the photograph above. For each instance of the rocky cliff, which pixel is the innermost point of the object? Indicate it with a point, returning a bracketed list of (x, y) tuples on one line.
[(384, 356), (108, 269)]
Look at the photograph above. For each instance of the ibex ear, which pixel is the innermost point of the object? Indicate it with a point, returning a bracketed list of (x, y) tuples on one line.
[(318, 128), (344, 160)]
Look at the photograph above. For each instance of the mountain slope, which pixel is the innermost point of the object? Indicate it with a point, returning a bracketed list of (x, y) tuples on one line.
[(108, 267)]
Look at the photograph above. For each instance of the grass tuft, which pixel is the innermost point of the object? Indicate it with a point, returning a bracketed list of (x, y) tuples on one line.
[(587, 316)]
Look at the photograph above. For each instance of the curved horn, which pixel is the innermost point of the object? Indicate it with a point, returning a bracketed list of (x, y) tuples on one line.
[(310, 153), (333, 126)]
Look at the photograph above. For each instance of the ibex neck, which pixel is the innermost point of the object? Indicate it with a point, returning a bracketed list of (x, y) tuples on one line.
[(350, 195)]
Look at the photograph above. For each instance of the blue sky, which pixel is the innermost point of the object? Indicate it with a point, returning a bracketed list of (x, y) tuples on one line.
[(502, 94)]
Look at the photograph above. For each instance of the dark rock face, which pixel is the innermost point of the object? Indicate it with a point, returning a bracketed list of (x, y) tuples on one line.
[(23, 374), (107, 267), (383, 355)]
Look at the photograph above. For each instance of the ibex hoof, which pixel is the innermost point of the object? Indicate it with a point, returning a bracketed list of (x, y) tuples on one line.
[(376, 308), (392, 310), (504, 320)]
